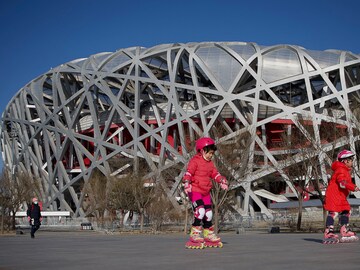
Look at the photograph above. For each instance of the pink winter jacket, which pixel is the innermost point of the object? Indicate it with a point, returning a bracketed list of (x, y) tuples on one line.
[(339, 188), (200, 172)]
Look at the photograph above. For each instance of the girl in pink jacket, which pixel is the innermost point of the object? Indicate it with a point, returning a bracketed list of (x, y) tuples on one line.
[(197, 184)]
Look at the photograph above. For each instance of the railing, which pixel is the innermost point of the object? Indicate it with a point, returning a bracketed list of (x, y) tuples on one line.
[(50, 218)]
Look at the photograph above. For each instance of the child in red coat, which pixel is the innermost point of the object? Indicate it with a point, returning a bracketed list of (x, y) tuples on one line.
[(197, 185), (336, 202)]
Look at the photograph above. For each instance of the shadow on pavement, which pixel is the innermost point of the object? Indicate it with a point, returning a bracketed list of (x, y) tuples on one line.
[(316, 240)]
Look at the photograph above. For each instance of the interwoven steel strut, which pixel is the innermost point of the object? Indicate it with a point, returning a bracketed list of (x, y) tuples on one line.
[(120, 111)]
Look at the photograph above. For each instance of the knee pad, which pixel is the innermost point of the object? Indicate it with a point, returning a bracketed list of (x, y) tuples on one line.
[(199, 210), (344, 217), (208, 213), (330, 218)]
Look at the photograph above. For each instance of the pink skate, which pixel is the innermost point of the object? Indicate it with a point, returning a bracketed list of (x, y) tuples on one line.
[(330, 237), (211, 240), (347, 236), (195, 241)]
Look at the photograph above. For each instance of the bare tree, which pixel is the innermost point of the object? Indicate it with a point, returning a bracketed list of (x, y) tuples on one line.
[(15, 190), (97, 193), (218, 197), (133, 192), (5, 199), (121, 195), (232, 162), (159, 210), (187, 209), (143, 194), (308, 160)]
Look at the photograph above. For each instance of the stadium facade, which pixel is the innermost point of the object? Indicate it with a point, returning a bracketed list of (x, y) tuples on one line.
[(143, 109)]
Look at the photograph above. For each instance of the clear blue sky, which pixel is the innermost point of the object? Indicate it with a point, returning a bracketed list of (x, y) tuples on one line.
[(37, 35)]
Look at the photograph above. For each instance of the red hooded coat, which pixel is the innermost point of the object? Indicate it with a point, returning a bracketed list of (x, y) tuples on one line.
[(339, 188), (200, 172)]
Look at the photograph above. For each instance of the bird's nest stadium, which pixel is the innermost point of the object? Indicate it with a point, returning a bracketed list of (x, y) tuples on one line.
[(116, 112)]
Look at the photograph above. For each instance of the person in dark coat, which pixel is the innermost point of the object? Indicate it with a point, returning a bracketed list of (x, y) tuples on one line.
[(34, 216)]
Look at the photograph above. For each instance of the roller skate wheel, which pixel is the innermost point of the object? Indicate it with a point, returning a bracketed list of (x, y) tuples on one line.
[(214, 245), (330, 241), (349, 239), (193, 245)]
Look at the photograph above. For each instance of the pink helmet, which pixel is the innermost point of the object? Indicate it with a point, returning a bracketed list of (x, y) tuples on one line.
[(345, 154), (202, 142)]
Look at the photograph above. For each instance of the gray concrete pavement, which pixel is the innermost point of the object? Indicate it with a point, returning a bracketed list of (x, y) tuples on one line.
[(250, 250)]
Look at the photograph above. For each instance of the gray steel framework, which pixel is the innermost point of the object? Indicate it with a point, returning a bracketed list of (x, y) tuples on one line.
[(121, 111)]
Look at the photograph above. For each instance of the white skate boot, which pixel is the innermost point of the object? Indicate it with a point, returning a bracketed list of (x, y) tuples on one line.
[(210, 238), (195, 241)]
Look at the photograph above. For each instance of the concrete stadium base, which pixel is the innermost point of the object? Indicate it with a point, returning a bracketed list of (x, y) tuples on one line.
[(87, 250)]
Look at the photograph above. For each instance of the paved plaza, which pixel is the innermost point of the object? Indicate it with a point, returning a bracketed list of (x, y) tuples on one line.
[(87, 250)]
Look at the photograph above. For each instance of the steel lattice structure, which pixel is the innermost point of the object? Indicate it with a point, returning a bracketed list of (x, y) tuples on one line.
[(115, 112)]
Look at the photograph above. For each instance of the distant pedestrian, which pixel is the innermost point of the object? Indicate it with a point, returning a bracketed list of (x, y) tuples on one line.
[(34, 216), (336, 203)]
